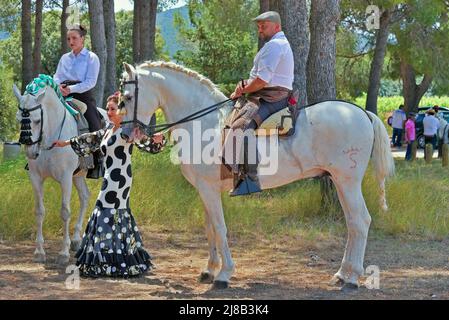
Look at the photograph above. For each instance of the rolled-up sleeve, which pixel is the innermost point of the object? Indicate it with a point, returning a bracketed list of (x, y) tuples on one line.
[(269, 59), (93, 69)]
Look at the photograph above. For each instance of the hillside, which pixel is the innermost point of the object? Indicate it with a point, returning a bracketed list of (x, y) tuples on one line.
[(164, 21)]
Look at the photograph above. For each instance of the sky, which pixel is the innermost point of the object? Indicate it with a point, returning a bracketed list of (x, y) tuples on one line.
[(127, 5)]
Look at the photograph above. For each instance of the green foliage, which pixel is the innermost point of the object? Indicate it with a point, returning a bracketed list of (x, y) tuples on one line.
[(9, 14), (161, 198), (11, 54), (221, 40), (8, 106), (352, 70), (124, 40), (423, 41)]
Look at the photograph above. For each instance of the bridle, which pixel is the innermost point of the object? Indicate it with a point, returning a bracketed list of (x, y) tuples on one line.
[(121, 105), (152, 129), (25, 129)]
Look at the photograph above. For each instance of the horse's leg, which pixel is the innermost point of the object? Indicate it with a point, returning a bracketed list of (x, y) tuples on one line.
[(66, 190), (358, 221), (83, 195), (38, 187), (212, 202), (213, 263)]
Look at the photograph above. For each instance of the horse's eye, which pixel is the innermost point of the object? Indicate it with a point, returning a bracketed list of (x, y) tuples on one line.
[(37, 121), (128, 98)]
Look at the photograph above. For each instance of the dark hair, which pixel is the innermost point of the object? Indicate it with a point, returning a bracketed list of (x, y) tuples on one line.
[(82, 30), (401, 106)]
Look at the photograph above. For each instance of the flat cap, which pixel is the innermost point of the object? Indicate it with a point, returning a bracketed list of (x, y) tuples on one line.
[(272, 16)]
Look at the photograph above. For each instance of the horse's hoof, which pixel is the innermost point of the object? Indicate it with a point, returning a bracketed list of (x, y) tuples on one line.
[(62, 260), (40, 258), (206, 277), (75, 245), (336, 282), (220, 285), (349, 288)]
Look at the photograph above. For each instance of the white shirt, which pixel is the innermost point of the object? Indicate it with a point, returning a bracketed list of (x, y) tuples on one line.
[(83, 67), (399, 117), (274, 63), (431, 125)]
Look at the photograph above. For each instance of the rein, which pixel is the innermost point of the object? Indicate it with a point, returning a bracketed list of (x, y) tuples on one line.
[(152, 129)]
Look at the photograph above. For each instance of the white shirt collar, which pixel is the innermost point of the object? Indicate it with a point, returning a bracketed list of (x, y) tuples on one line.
[(83, 52), (278, 35)]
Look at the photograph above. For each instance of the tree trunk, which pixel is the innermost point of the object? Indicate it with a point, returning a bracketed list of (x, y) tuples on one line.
[(275, 5), (295, 24), (147, 29), (264, 6), (27, 44), (153, 16), (98, 39), (64, 16), (321, 82), (378, 61), (37, 38), (136, 31), (110, 27), (411, 91), (322, 54)]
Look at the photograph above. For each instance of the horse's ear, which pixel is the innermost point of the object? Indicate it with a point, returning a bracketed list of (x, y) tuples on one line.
[(129, 69), (17, 92)]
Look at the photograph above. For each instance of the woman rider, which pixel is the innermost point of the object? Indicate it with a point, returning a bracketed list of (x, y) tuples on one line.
[(77, 75)]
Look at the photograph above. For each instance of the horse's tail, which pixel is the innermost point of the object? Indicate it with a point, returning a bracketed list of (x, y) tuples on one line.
[(382, 157)]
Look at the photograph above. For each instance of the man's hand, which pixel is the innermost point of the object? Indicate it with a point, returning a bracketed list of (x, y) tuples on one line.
[(250, 86), (238, 92)]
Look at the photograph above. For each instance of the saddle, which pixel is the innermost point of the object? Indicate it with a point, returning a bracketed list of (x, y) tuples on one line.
[(85, 163), (281, 124)]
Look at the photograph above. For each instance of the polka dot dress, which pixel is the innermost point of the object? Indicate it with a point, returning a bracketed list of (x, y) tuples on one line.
[(112, 245)]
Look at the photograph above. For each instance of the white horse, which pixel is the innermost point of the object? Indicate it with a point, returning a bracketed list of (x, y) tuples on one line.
[(333, 137), (50, 121)]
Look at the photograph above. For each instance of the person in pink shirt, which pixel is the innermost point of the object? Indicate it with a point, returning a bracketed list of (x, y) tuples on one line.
[(410, 134)]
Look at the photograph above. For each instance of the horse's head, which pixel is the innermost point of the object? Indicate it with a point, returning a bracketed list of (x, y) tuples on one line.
[(38, 102), (138, 102), (31, 116)]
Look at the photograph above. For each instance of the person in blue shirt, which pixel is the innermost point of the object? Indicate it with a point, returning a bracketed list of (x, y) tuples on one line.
[(77, 75)]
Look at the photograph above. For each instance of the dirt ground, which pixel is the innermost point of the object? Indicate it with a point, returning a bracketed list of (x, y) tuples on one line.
[(283, 268)]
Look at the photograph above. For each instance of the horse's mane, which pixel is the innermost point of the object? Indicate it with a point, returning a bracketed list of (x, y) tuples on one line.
[(43, 81), (190, 73)]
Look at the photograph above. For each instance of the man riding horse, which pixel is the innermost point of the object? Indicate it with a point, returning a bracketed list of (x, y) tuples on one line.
[(267, 92)]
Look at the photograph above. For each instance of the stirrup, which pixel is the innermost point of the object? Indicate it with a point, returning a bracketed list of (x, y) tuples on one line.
[(245, 186)]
